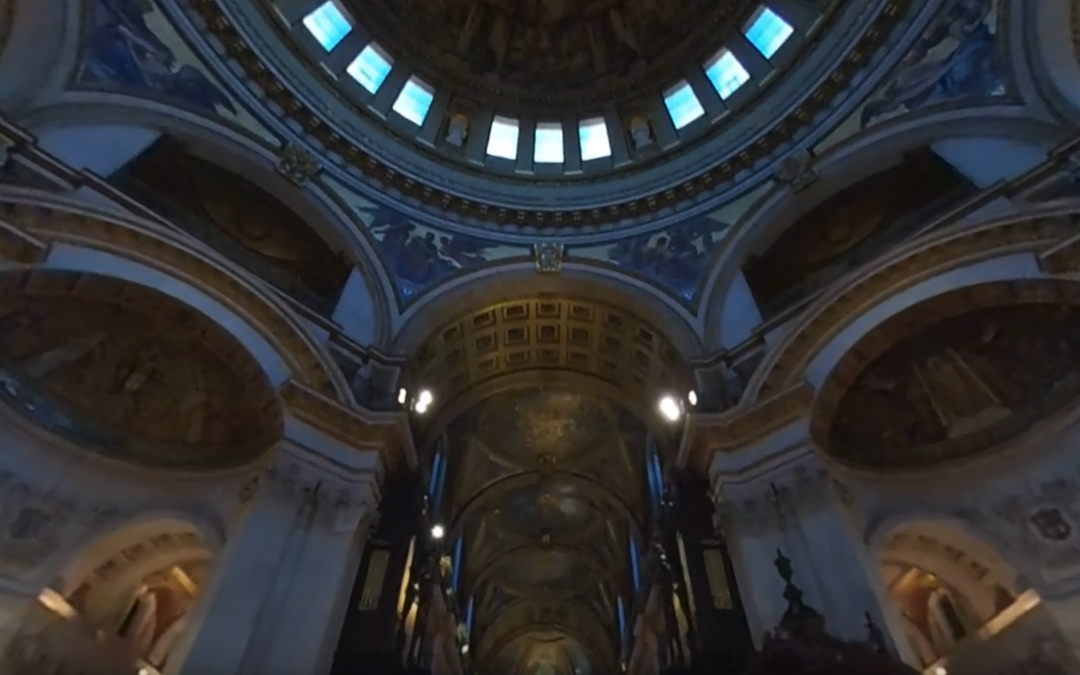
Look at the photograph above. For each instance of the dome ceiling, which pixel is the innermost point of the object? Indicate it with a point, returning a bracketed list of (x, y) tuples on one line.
[(131, 372), (954, 376), (541, 484), (549, 52)]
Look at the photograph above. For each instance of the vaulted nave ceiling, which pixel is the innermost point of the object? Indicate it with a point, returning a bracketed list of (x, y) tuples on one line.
[(546, 490)]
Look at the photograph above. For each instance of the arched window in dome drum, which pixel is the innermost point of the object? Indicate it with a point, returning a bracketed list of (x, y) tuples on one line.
[(329, 24), (548, 147), (593, 137), (683, 105), (414, 101), (370, 67), (767, 31), (726, 73), (503, 139)]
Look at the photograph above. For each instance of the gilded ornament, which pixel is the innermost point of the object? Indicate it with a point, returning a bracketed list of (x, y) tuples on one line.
[(548, 257), (797, 171), (298, 165)]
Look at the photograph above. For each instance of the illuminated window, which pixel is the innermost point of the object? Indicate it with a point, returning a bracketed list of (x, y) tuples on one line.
[(549, 143), (683, 105), (328, 24), (594, 140), (370, 68), (726, 73), (503, 139), (768, 31), (414, 101)]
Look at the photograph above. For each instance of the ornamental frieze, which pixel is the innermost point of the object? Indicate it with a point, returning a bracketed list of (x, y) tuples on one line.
[(326, 133)]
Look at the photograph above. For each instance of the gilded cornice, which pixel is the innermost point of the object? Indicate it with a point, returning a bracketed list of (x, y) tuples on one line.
[(786, 365), (322, 132), (154, 246), (387, 433), (740, 427), (19, 247)]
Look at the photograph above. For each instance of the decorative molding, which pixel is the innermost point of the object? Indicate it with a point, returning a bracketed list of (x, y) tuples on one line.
[(340, 503), (546, 334), (797, 171), (778, 499), (298, 165), (324, 132), (33, 522), (830, 315), (19, 247), (549, 257), (736, 428), (149, 245), (386, 433)]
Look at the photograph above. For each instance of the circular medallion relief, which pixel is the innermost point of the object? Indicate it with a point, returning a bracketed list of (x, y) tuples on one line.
[(131, 372), (954, 375), (549, 51)]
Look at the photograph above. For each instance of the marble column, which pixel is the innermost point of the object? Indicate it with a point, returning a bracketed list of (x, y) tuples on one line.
[(273, 606), (779, 496)]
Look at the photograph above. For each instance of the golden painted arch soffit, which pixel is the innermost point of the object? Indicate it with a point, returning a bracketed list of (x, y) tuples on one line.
[(954, 376), (546, 63), (131, 373), (531, 341)]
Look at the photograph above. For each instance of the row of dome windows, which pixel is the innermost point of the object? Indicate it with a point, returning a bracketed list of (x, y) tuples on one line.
[(329, 24)]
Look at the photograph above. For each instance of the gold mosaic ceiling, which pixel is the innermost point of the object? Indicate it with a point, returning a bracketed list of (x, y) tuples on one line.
[(550, 52), (131, 372)]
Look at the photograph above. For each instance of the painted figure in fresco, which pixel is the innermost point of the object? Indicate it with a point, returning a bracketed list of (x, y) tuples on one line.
[(123, 50), (677, 258), (419, 260), (955, 59)]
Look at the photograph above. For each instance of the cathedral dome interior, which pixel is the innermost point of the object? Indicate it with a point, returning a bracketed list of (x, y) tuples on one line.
[(538, 337)]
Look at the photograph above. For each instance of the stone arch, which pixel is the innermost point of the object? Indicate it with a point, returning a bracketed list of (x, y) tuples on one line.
[(1053, 35), (1000, 250), (119, 594), (946, 580), (36, 46), (842, 166), (85, 240), (506, 282), (134, 124)]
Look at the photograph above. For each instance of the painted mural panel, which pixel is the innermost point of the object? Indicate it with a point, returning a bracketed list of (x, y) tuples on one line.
[(240, 220), (850, 228), (675, 259), (131, 47), (418, 256), (958, 57)]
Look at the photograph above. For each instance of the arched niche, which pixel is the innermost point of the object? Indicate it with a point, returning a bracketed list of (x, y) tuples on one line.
[(122, 599), (946, 582), (874, 151), (507, 282)]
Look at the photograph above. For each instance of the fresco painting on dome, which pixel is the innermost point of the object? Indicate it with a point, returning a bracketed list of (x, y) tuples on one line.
[(131, 47), (419, 256), (676, 258), (956, 58)]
